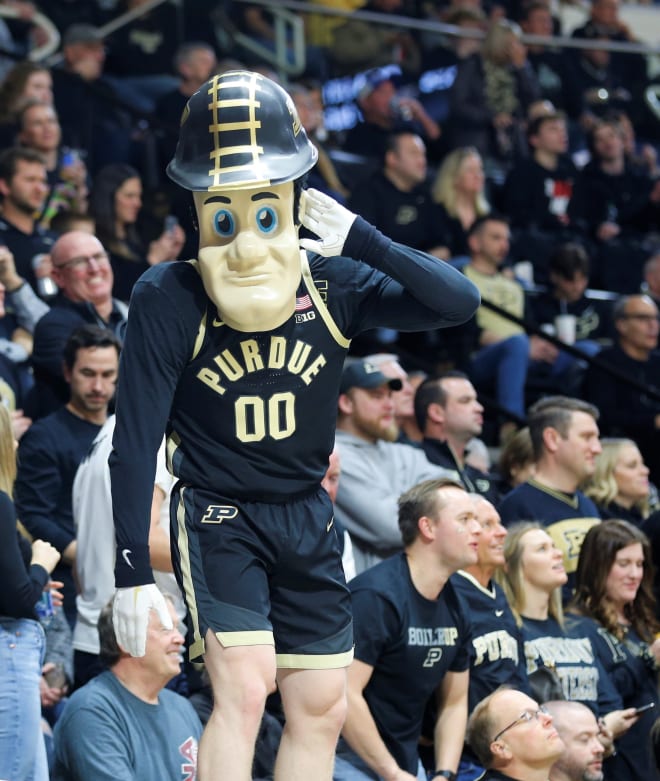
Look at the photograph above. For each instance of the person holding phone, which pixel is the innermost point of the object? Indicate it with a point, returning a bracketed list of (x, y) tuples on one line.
[(116, 204), (24, 575), (614, 598)]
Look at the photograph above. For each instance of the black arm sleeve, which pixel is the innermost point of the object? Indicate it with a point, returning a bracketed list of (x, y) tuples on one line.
[(157, 346), (422, 292)]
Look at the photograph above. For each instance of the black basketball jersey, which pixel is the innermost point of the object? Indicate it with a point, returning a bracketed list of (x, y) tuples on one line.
[(252, 416), (278, 394)]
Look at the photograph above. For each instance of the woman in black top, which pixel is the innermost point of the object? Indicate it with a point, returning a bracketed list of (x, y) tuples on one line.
[(24, 574), (614, 605), (116, 204)]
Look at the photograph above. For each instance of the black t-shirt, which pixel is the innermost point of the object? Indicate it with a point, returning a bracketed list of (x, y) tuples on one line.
[(629, 665), (535, 196), (593, 317), (411, 642), (410, 218)]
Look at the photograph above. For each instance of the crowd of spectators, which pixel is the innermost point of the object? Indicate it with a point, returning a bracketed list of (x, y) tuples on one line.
[(534, 171)]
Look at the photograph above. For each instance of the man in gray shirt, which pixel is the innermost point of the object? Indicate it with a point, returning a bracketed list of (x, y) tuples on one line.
[(124, 723), (375, 469)]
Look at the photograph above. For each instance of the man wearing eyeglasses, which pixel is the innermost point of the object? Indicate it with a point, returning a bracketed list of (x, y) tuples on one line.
[(513, 737), (626, 410), (82, 271)]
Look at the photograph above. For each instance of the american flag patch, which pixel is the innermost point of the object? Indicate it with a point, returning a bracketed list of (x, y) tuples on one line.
[(303, 302)]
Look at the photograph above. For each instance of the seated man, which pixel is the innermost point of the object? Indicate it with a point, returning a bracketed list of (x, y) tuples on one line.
[(513, 737), (82, 271), (125, 723), (450, 416), (397, 199), (568, 270), (503, 350), (23, 187), (412, 642), (376, 470), (617, 204), (538, 191), (383, 112), (582, 735), (626, 410)]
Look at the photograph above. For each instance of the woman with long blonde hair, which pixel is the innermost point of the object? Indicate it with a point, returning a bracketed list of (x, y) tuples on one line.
[(459, 191), (532, 579), (24, 576), (620, 483)]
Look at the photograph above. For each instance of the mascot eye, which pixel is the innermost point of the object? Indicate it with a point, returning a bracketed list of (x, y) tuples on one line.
[(266, 219), (223, 222)]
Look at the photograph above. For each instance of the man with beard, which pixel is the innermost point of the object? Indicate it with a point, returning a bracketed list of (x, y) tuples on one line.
[(24, 187), (375, 469)]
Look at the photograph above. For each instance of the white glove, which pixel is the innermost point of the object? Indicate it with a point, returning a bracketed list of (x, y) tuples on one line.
[(130, 615), (329, 220)]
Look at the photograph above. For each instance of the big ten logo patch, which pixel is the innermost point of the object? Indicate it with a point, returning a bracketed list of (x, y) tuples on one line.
[(217, 513)]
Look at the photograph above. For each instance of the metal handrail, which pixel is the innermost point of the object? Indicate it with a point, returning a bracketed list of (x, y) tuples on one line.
[(114, 24), (39, 20), (449, 29), (289, 29)]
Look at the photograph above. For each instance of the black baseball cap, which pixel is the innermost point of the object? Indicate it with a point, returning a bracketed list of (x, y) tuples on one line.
[(362, 374), (81, 33)]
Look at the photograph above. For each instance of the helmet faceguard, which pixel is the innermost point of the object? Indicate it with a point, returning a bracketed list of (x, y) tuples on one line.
[(240, 130)]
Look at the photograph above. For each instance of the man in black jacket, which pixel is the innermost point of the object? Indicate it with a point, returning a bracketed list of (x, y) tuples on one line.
[(625, 410), (450, 415)]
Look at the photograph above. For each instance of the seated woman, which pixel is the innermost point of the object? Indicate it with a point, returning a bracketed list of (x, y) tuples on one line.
[(115, 203), (614, 598), (561, 663), (459, 191), (620, 484), (26, 80)]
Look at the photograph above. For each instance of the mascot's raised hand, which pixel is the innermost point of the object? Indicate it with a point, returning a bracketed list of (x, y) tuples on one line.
[(329, 220)]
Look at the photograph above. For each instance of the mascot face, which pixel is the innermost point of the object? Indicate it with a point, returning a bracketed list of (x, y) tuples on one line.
[(249, 257), (241, 147)]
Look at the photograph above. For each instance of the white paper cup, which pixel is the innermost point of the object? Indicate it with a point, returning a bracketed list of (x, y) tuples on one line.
[(565, 325)]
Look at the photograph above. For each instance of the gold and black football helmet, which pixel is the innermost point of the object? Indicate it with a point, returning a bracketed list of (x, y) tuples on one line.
[(240, 130)]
